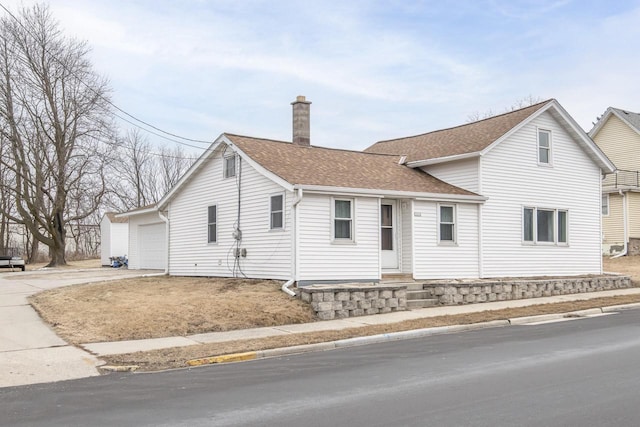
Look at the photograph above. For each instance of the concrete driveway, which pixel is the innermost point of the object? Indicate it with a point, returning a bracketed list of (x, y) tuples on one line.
[(30, 352)]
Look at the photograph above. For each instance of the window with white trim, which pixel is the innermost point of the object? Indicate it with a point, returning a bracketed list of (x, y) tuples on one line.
[(605, 204), (447, 223), (229, 166), (544, 147), (545, 226), (276, 209), (212, 224), (343, 219)]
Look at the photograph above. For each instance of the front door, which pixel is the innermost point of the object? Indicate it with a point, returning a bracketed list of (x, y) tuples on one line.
[(388, 235)]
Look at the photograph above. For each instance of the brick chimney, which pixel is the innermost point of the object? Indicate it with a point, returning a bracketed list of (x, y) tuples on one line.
[(301, 121)]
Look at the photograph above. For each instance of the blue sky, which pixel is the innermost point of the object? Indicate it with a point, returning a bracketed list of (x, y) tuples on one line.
[(373, 69)]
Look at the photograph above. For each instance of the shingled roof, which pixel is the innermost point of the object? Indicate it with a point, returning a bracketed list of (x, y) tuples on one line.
[(469, 138), (317, 166), (628, 117)]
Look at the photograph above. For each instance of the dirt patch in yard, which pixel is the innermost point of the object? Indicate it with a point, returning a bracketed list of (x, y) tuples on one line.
[(155, 307), (177, 357), (627, 265)]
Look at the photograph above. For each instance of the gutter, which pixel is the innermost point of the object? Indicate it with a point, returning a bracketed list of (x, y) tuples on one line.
[(166, 221), (624, 226), (285, 287)]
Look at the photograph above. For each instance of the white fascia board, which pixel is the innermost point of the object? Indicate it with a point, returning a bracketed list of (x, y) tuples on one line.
[(365, 192), (153, 209), (437, 160)]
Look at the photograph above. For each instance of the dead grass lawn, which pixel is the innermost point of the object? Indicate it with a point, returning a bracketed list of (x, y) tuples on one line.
[(177, 357), (173, 306), (163, 306)]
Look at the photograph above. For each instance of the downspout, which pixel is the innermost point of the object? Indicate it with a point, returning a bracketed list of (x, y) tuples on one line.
[(285, 287), (166, 220), (624, 225)]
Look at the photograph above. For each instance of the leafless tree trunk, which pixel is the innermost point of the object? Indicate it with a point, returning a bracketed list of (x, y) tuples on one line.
[(53, 113)]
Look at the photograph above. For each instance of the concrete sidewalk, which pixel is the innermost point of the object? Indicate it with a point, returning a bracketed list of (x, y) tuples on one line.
[(30, 352), (121, 347)]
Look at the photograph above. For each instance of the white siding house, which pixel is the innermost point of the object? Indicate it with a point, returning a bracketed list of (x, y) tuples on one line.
[(513, 195), (114, 237)]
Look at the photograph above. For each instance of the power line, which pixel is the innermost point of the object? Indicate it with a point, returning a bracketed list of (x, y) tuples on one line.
[(108, 100)]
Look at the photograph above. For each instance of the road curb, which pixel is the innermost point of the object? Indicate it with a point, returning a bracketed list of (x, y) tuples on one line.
[(395, 336), (236, 357)]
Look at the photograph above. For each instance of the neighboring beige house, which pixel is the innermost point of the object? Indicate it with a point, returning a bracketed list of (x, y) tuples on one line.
[(617, 133)]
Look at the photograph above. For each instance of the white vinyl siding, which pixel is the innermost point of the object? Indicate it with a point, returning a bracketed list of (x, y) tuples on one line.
[(319, 258), (268, 254), (434, 261), (406, 213), (512, 179), (461, 173)]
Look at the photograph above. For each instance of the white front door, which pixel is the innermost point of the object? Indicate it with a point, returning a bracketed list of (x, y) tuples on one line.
[(388, 234)]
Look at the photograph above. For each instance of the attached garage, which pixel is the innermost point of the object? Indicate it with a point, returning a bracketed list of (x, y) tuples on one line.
[(147, 240)]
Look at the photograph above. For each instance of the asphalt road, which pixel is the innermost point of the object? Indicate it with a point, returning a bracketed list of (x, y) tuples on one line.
[(576, 373)]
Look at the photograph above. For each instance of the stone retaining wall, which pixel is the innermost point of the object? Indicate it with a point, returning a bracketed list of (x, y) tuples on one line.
[(450, 293), (351, 300)]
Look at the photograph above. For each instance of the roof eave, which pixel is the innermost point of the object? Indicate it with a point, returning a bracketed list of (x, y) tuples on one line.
[(137, 212), (437, 160), (372, 192)]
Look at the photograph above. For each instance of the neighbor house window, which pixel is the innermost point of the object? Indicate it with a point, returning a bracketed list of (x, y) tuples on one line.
[(277, 212), (212, 228), (544, 147), (605, 204), (447, 224), (343, 219), (230, 166), (544, 225)]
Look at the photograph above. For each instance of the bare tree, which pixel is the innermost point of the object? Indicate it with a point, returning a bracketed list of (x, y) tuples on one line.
[(520, 103), (141, 174), (54, 111)]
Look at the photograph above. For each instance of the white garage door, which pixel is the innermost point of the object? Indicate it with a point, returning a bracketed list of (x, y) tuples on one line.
[(152, 246)]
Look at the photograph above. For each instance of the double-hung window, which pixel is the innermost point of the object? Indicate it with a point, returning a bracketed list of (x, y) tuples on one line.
[(343, 219), (545, 226), (229, 166), (276, 208), (447, 224), (605, 204), (544, 147), (212, 224)]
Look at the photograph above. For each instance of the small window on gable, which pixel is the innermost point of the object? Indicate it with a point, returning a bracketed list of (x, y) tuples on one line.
[(447, 232), (277, 212), (229, 166), (212, 224), (343, 219), (605, 204), (544, 147)]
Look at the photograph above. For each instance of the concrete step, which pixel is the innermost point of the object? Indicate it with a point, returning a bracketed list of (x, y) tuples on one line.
[(421, 294), (421, 303)]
